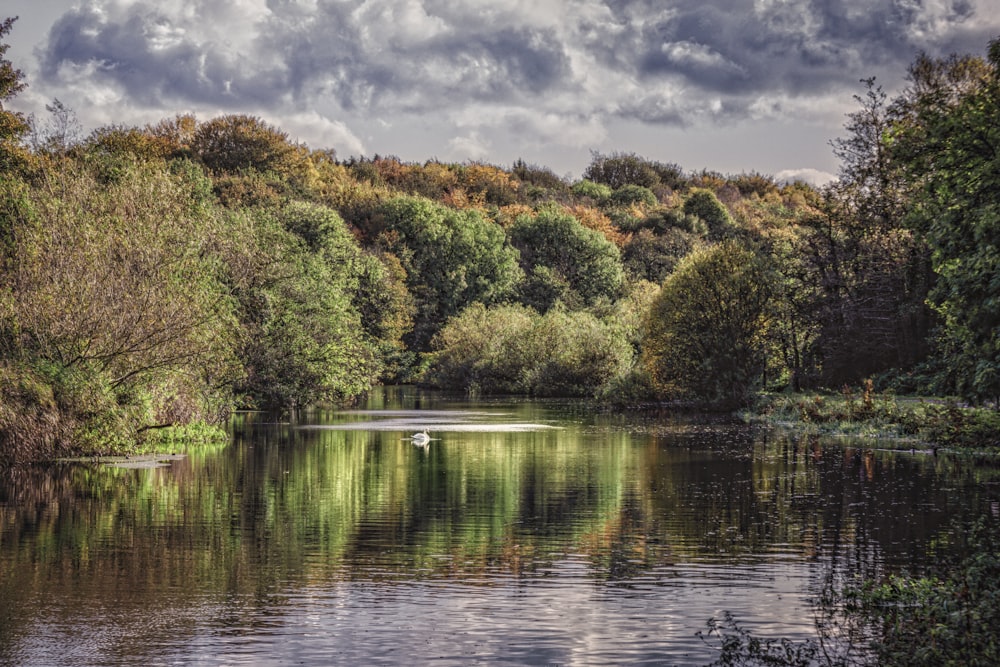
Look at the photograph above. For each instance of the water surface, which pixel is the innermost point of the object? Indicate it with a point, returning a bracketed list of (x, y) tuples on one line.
[(524, 533)]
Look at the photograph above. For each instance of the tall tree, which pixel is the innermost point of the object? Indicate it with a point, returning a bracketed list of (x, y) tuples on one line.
[(947, 141), (870, 272), (13, 125)]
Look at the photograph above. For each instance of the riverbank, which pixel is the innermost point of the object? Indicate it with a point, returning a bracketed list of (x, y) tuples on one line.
[(900, 422)]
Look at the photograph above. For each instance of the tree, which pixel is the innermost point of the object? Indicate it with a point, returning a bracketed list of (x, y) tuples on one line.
[(703, 204), (452, 259), (706, 330), (947, 141), (13, 125), (237, 142), (652, 256), (869, 275), (293, 273), (114, 302), (618, 169), (581, 258)]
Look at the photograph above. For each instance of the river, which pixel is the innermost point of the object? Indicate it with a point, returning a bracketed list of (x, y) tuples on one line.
[(523, 533)]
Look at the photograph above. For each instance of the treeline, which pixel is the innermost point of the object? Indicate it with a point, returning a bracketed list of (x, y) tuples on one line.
[(164, 275)]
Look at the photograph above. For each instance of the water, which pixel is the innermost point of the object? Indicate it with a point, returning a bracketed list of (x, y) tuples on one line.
[(524, 533)]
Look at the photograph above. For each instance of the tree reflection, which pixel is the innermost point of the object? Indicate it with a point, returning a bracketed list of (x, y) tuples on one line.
[(282, 510)]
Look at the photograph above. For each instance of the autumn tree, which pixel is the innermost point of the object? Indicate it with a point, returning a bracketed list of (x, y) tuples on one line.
[(113, 306), (238, 142), (13, 125)]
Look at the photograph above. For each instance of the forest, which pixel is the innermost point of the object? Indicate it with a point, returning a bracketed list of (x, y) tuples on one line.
[(157, 278)]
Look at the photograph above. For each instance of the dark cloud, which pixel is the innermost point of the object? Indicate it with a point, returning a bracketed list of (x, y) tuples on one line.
[(660, 62), (146, 54)]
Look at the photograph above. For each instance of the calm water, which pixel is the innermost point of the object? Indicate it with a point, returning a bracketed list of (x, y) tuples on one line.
[(525, 533)]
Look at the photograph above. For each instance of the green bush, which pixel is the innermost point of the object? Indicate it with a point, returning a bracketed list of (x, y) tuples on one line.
[(628, 195), (706, 330), (703, 204), (599, 192), (513, 349)]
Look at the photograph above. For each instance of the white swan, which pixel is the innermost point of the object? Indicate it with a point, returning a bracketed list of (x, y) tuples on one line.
[(420, 438)]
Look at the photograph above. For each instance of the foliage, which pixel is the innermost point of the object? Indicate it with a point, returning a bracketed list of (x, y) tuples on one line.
[(121, 140), (557, 250), (599, 192), (451, 258), (13, 125), (704, 205), (120, 307), (863, 411), (237, 142), (631, 195), (295, 278), (620, 169), (946, 140), (945, 618), (738, 647), (538, 182), (513, 349), (706, 331), (653, 257)]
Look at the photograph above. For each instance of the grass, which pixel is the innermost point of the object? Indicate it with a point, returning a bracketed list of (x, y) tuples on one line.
[(861, 412)]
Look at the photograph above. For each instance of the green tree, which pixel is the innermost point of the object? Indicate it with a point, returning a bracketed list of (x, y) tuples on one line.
[(571, 254), (706, 331), (452, 258), (706, 206), (13, 125), (947, 140), (302, 338)]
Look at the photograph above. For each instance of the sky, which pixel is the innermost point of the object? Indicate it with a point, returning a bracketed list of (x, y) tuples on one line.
[(733, 86)]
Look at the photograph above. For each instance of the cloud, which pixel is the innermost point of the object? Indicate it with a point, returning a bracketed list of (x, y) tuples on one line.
[(558, 72), (811, 176)]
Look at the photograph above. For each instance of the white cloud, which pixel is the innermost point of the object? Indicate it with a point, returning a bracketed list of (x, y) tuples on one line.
[(549, 76), (806, 175)]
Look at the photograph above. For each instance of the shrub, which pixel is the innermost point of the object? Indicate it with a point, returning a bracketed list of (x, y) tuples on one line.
[(629, 195), (705, 205), (705, 337), (599, 192), (513, 349)]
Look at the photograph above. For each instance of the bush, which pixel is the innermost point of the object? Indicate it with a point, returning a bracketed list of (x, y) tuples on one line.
[(599, 192), (629, 195), (513, 349), (705, 337), (706, 206)]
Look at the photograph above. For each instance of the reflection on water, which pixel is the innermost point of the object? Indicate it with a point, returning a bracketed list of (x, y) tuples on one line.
[(525, 533)]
